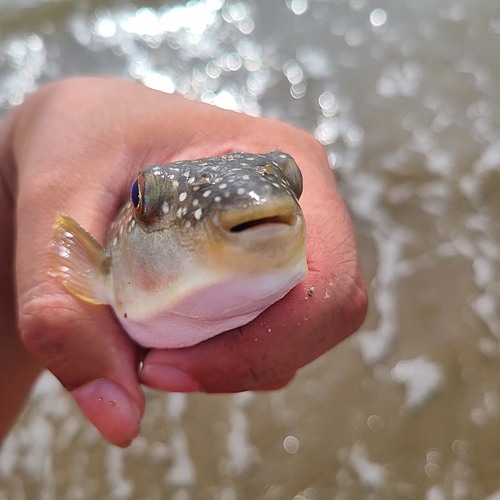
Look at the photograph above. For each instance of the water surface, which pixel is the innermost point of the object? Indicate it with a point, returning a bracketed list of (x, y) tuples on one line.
[(405, 97)]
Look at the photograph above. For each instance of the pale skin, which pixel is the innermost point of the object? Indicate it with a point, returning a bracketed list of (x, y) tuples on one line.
[(76, 147)]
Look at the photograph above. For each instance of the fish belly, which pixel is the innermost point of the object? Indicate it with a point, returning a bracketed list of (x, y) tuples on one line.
[(209, 311)]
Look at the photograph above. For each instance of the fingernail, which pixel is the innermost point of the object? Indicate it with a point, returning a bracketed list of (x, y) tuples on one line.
[(110, 409), (168, 378)]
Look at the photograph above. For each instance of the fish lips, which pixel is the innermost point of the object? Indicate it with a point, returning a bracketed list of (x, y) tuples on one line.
[(267, 229), (281, 212)]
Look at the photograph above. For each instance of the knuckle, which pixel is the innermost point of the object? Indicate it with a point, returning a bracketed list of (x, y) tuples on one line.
[(260, 371), (308, 141), (44, 322), (358, 297), (56, 92), (264, 369), (60, 334), (276, 384), (247, 372), (354, 305)]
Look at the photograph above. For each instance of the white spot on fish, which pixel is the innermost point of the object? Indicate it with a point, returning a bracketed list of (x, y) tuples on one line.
[(115, 241), (283, 156), (64, 252), (246, 177), (195, 203), (165, 208), (206, 194), (190, 180), (240, 191), (217, 199), (182, 196), (175, 184), (223, 186), (197, 214), (179, 213)]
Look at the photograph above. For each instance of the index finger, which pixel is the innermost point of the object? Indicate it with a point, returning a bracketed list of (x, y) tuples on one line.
[(59, 168)]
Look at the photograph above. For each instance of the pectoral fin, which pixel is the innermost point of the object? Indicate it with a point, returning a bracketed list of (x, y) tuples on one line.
[(80, 262)]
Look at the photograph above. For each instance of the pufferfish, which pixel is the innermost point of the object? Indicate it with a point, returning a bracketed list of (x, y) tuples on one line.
[(201, 247)]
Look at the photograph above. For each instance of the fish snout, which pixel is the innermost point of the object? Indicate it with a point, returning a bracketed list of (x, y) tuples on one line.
[(275, 216), (260, 239)]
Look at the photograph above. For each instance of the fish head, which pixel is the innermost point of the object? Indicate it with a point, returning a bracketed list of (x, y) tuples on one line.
[(239, 212), (207, 245)]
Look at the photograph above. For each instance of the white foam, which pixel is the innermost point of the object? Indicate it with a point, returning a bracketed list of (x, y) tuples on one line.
[(9, 453), (241, 453), (435, 493), (375, 344), (182, 474), (401, 80), (120, 487), (370, 473), (422, 379)]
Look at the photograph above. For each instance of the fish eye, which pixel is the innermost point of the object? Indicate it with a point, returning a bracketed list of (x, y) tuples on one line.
[(290, 170), (292, 173), (136, 196)]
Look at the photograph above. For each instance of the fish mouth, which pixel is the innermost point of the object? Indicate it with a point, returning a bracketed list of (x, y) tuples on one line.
[(263, 221), (259, 238), (257, 217)]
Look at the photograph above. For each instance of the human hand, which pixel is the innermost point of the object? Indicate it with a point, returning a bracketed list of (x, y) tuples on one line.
[(76, 147)]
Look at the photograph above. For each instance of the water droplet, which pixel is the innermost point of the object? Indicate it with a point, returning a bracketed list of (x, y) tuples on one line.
[(355, 135), (298, 90), (298, 7), (328, 104), (291, 444), (375, 423), (378, 17)]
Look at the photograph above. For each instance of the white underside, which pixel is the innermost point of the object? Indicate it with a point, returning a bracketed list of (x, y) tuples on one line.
[(211, 311)]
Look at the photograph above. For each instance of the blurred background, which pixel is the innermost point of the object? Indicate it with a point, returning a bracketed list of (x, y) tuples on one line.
[(405, 97)]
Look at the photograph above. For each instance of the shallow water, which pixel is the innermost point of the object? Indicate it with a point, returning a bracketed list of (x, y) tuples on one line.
[(405, 96)]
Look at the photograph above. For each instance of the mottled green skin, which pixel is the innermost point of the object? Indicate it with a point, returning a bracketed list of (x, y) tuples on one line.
[(185, 193)]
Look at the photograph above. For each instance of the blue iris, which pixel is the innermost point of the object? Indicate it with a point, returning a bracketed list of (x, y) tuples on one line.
[(136, 199)]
